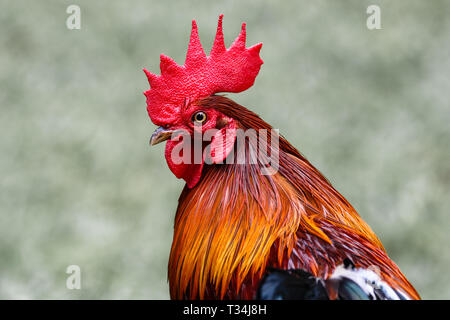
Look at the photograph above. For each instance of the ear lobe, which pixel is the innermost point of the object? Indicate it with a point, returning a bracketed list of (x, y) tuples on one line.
[(222, 142)]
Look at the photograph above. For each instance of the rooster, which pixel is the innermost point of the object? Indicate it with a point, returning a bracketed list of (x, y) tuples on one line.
[(236, 223)]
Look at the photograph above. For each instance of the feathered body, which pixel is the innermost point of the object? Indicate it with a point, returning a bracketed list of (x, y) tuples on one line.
[(233, 222), (236, 222)]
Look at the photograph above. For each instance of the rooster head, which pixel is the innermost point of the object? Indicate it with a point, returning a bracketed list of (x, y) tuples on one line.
[(196, 134)]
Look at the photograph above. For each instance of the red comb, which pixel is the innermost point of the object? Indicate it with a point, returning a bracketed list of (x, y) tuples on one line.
[(224, 70)]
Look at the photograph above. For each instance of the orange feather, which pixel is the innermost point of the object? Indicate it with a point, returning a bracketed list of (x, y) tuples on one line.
[(237, 222)]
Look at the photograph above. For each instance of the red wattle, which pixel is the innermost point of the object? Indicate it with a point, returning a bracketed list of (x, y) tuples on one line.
[(189, 172)]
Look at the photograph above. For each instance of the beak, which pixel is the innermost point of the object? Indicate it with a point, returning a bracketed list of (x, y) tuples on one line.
[(160, 135)]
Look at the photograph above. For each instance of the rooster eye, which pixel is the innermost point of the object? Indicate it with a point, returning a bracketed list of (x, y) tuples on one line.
[(199, 117)]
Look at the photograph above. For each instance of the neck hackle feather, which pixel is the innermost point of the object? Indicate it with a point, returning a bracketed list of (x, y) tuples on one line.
[(236, 222)]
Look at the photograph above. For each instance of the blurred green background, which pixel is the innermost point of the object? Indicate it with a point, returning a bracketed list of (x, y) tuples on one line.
[(80, 185)]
